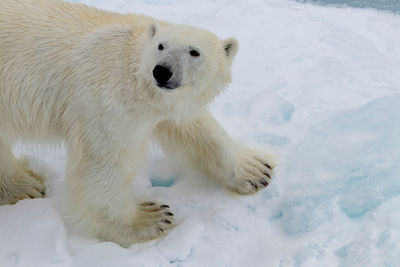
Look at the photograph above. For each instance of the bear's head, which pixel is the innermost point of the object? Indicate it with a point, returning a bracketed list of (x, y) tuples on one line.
[(186, 64)]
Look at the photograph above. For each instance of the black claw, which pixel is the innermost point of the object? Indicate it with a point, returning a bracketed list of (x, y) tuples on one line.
[(160, 229), (166, 221), (164, 207), (253, 184), (169, 214), (148, 204), (263, 182), (267, 174), (268, 166)]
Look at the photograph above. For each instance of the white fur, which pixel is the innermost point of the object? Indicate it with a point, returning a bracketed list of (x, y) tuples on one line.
[(74, 73)]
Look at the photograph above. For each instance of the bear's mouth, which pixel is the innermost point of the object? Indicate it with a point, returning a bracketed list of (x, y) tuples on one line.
[(168, 85), (164, 86)]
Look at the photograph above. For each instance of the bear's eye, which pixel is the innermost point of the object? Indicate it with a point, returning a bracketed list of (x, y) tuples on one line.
[(194, 53), (160, 47)]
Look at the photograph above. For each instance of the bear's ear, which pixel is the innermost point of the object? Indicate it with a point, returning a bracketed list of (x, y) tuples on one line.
[(231, 46), (152, 30)]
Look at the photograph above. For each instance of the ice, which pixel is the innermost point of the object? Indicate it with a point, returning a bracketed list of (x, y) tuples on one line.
[(317, 86), (363, 167), (359, 157), (304, 214), (388, 5)]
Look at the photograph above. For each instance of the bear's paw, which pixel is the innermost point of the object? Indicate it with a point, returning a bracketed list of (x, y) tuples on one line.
[(253, 172), (23, 184), (152, 220)]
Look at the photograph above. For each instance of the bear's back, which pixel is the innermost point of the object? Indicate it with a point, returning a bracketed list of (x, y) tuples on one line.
[(41, 45), (55, 16)]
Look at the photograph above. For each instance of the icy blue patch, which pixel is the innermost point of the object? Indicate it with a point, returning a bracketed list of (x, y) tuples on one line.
[(271, 193), (287, 111), (352, 158), (304, 215), (383, 238), (387, 5), (299, 259), (281, 111), (272, 139), (277, 216), (365, 193), (251, 207), (229, 226), (162, 181), (357, 253), (342, 252), (266, 106)]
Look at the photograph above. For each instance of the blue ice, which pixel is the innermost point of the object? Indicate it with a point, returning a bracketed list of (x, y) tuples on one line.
[(162, 181), (301, 215), (351, 160), (272, 139), (388, 5)]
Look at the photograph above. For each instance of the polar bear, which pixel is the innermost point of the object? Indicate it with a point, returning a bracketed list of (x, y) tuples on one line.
[(107, 84)]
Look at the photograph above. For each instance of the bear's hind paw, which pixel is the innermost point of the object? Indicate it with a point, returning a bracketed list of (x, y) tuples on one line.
[(24, 184), (152, 220)]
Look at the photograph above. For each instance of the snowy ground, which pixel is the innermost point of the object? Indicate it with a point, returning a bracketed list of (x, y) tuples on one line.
[(319, 87)]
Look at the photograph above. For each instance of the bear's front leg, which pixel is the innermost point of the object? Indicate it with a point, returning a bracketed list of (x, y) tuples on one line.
[(207, 145), (99, 196)]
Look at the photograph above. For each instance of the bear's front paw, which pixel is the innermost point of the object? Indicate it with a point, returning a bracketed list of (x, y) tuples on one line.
[(252, 173)]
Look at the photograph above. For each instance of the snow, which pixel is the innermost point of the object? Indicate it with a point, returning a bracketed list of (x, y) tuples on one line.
[(317, 86)]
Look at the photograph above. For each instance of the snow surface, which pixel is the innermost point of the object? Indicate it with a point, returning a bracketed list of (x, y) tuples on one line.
[(319, 87)]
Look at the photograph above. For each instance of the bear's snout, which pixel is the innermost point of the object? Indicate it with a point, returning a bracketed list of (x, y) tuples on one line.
[(162, 75)]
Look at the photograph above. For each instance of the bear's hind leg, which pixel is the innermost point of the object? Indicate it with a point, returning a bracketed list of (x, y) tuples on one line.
[(16, 181)]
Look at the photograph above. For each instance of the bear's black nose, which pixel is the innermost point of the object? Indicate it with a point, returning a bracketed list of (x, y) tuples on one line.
[(162, 74)]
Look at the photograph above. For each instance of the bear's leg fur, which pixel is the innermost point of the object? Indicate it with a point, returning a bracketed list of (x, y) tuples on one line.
[(16, 181), (207, 145), (99, 196)]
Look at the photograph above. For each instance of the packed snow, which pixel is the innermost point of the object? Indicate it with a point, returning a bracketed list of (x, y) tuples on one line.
[(317, 86)]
